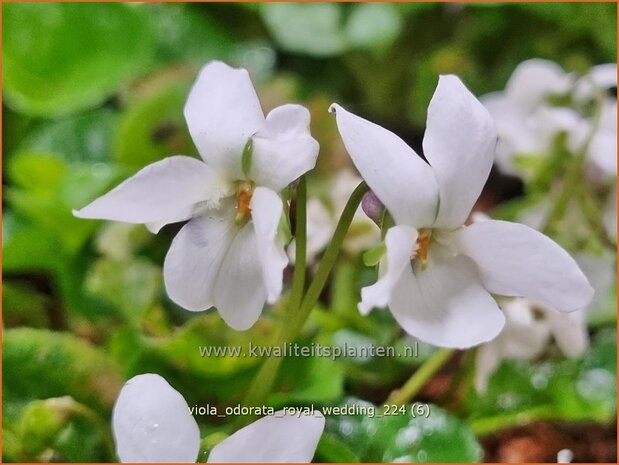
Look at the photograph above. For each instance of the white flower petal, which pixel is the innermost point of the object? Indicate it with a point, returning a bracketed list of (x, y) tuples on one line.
[(195, 256), (396, 174), (156, 226), (239, 289), (284, 150), (569, 331), (446, 305), (266, 210), (399, 241), (459, 144), (487, 359), (515, 260), (604, 76), (164, 192), (600, 271), (222, 113), (498, 105), (549, 121), (518, 132), (276, 439), (151, 423), (603, 146), (600, 77), (534, 80), (603, 151), (524, 336)]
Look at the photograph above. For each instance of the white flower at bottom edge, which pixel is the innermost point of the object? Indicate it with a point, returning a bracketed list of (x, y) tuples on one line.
[(527, 332), (438, 275), (229, 254), (152, 423)]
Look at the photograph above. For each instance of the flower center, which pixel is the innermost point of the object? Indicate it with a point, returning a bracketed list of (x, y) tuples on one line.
[(422, 247), (244, 192)]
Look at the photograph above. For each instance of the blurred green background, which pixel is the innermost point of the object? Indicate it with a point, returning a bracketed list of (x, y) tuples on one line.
[(93, 92)]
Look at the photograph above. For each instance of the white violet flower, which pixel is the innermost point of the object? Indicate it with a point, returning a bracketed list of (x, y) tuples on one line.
[(437, 275), (229, 255), (152, 422), (527, 121)]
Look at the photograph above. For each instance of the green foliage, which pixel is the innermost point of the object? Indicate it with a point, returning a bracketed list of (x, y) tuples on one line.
[(393, 434), (569, 390), (438, 438), (308, 28), (183, 348), (26, 247), (373, 26), (308, 380), (84, 137), (153, 127), (46, 191), (22, 305), (578, 18), (132, 286), (61, 429), (325, 29), (183, 34), (79, 370), (177, 356), (63, 57)]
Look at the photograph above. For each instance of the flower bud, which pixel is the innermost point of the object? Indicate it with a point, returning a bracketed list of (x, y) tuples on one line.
[(372, 207)]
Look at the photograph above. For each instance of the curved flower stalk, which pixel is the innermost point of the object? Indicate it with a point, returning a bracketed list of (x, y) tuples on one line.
[(229, 255), (528, 121), (322, 220), (152, 422), (528, 330), (438, 275)]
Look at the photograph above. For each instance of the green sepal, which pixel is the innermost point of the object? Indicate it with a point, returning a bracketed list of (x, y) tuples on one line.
[(373, 256), (247, 156)]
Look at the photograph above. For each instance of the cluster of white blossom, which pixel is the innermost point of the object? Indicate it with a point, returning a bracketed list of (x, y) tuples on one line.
[(540, 103), (438, 276)]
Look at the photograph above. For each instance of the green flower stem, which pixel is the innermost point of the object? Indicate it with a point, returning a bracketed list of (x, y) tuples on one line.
[(421, 376), (573, 181), (296, 317), (298, 281), (328, 259), (573, 178), (593, 216), (489, 425)]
